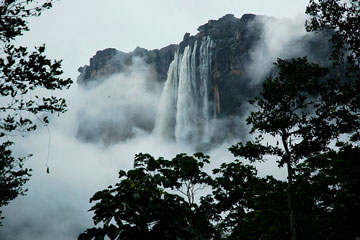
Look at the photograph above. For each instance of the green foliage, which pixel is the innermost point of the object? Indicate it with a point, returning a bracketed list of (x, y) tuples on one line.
[(239, 204), (251, 207), (13, 175), (342, 18), (320, 198), (21, 74), (26, 82), (327, 195), (183, 173), (13, 14), (142, 205), (285, 110), (306, 112)]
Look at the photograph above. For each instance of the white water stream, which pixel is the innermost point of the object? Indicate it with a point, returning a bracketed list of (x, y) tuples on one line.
[(185, 111)]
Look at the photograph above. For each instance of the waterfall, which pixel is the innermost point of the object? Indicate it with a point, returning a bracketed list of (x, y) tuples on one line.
[(205, 77), (185, 111), (165, 117)]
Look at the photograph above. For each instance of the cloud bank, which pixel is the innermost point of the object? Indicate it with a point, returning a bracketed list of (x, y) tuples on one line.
[(57, 203)]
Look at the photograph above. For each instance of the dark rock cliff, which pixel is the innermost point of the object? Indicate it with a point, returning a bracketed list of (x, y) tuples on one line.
[(234, 39), (110, 61)]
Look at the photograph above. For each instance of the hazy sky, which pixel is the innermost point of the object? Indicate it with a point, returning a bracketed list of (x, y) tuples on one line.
[(73, 30)]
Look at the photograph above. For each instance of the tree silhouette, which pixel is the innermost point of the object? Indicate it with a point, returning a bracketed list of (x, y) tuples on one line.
[(22, 75)]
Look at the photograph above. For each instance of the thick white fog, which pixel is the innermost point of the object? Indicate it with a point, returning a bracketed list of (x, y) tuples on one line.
[(277, 41), (56, 205)]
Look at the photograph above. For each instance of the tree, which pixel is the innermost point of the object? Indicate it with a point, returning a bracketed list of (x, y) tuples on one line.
[(22, 76), (13, 175), (303, 112), (143, 205), (327, 187), (248, 207), (149, 202), (336, 172), (342, 19), (290, 110)]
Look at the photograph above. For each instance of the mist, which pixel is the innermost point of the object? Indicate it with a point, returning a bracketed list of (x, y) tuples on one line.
[(56, 204), (282, 38), (105, 126)]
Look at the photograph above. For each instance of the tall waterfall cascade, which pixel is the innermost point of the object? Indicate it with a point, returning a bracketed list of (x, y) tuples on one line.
[(186, 110)]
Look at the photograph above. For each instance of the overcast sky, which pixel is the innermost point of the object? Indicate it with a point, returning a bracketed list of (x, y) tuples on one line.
[(73, 30)]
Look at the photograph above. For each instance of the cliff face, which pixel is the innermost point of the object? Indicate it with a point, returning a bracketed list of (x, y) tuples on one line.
[(111, 61), (223, 54), (234, 39)]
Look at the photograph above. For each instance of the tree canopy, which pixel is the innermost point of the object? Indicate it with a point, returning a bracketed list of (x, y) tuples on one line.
[(311, 115), (22, 105), (342, 19)]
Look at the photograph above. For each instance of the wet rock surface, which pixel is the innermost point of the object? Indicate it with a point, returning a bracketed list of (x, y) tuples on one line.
[(231, 85)]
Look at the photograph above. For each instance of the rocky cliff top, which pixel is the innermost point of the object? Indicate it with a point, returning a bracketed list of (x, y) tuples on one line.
[(110, 60), (234, 43)]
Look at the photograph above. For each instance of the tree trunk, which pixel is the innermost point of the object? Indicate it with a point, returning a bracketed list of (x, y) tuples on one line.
[(287, 159), (290, 202)]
